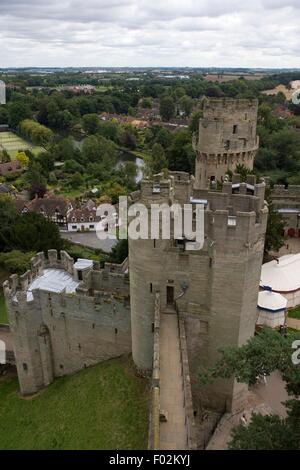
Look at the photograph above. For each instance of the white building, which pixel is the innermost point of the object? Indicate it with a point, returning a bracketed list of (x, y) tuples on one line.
[(283, 276), (83, 220), (271, 309)]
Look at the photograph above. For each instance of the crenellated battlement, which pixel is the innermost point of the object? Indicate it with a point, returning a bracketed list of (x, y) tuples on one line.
[(286, 191), (113, 278), (157, 190), (236, 207), (213, 106)]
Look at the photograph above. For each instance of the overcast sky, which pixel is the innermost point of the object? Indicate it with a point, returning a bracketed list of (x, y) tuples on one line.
[(251, 33)]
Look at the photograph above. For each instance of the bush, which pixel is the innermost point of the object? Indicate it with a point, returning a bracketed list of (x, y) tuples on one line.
[(16, 261)]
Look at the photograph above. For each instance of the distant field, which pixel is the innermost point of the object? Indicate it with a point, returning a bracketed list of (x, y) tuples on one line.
[(13, 143), (103, 88), (102, 407), (280, 88)]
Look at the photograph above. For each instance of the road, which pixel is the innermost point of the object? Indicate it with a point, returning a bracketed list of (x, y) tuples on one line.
[(89, 240)]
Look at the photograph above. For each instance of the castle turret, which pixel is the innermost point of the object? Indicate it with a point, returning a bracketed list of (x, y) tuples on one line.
[(213, 289), (145, 267), (226, 137)]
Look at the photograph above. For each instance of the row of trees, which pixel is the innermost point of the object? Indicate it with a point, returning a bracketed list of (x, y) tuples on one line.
[(170, 106), (279, 152), (35, 132)]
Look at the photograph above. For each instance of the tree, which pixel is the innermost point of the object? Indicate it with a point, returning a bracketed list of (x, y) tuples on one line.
[(34, 176), (265, 433), (66, 149), (119, 252), (167, 108), (71, 166), (17, 112), (158, 160), (146, 103), (243, 171), (186, 105), (91, 123), (286, 144), (275, 228), (128, 172), (36, 132), (194, 124), (4, 156), (3, 115), (15, 261), (8, 215), (22, 159), (97, 149), (110, 130), (32, 232), (262, 354), (76, 180), (128, 137), (64, 120), (180, 155), (113, 190)]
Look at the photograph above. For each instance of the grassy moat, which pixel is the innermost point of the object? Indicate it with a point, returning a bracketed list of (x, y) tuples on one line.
[(102, 407)]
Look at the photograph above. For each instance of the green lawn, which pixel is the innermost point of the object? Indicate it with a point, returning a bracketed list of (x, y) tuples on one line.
[(103, 407), (3, 312), (13, 143), (295, 313), (103, 88)]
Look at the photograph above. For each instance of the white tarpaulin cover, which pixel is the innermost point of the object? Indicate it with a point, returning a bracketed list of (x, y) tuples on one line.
[(282, 276), (271, 301)]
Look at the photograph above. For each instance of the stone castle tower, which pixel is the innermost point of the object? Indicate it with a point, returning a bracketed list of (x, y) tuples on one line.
[(227, 137), (214, 289)]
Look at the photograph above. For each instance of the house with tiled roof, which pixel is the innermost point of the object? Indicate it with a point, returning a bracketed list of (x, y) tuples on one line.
[(54, 208), (84, 219)]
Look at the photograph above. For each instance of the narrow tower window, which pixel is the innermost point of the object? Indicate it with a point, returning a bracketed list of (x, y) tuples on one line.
[(235, 129)]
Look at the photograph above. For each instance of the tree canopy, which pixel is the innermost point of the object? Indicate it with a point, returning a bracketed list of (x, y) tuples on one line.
[(262, 354)]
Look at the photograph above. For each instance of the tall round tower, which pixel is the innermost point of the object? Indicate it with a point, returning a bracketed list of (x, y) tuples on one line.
[(226, 137)]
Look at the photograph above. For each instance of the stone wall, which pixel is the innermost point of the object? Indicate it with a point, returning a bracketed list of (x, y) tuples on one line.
[(187, 388), (56, 334), (154, 418)]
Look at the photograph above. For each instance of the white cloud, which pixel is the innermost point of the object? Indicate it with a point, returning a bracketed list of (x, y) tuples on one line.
[(261, 33)]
